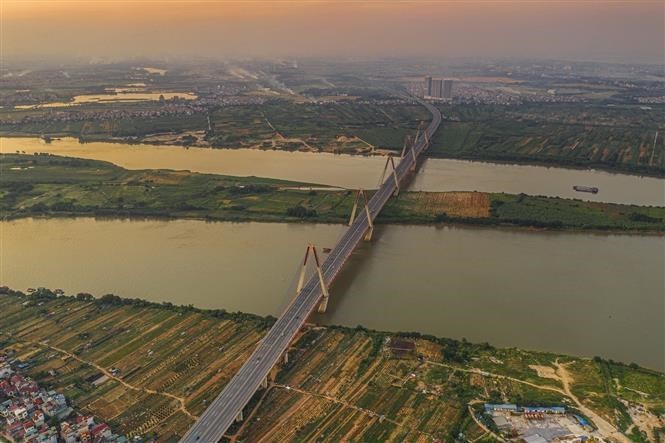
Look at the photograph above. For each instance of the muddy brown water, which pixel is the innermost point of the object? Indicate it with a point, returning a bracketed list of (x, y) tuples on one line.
[(582, 294)]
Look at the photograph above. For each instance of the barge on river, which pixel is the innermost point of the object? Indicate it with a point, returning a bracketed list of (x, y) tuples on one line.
[(590, 189)]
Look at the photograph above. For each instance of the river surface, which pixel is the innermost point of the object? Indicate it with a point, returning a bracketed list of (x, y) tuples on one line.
[(582, 294), (358, 171)]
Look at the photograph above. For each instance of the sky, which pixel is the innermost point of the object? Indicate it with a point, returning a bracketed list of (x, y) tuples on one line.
[(614, 31)]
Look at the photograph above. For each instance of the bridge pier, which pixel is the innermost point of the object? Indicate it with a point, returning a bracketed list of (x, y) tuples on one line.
[(239, 417), (323, 306), (264, 383), (415, 161), (286, 357)]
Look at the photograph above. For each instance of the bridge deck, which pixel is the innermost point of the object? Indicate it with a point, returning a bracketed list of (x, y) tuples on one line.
[(215, 421)]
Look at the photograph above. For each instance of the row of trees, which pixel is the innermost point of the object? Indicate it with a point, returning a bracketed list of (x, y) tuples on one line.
[(45, 295), (300, 211)]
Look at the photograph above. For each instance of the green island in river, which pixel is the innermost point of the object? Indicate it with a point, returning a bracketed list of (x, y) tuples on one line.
[(48, 185)]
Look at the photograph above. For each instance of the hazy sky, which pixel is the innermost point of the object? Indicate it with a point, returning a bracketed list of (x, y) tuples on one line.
[(617, 31)]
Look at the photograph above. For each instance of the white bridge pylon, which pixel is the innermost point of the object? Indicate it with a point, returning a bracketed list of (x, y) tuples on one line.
[(390, 161), (370, 229), (301, 281)]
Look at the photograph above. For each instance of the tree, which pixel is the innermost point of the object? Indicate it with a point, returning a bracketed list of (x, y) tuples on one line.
[(84, 296), (301, 212)]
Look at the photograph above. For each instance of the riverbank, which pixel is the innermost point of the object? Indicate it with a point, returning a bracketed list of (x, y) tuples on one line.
[(169, 361), (353, 171), (53, 186), (559, 162), (355, 146)]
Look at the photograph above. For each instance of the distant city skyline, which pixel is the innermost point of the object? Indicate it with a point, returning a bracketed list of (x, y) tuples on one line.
[(605, 31)]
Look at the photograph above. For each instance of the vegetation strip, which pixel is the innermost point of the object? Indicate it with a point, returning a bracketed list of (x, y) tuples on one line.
[(47, 185)]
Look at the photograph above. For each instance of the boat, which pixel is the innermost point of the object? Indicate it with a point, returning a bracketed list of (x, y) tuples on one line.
[(591, 189)]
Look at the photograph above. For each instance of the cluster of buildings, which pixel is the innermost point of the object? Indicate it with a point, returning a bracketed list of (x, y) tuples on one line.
[(658, 100), (32, 414), (170, 108), (507, 96), (437, 88), (538, 424), (84, 429)]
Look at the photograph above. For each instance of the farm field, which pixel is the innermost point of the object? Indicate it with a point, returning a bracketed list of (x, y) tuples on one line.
[(339, 383), (46, 185), (344, 127), (622, 137)]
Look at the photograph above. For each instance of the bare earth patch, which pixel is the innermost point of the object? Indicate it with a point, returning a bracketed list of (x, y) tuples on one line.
[(545, 372), (456, 204)]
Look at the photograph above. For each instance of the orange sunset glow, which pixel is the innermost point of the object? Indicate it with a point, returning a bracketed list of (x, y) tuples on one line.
[(599, 30)]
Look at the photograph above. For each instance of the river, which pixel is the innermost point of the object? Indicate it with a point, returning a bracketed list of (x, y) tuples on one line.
[(582, 294), (359, 171)]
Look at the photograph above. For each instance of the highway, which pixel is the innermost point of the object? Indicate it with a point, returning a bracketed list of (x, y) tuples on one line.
[(220, 414)]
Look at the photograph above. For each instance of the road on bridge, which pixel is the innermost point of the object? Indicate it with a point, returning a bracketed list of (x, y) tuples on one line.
[(220, 414)]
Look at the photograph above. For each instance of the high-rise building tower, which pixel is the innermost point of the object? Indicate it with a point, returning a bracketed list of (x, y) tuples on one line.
[(447, 89), (428, 86), (437, 88)]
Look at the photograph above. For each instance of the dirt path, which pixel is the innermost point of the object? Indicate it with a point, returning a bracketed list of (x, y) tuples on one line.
[(284, 417), (180, 400), (234, 438), (490, 374), (354, 407), (604, 427), (479, 423)]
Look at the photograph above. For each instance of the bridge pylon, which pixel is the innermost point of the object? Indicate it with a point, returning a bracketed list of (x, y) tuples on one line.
[(301, 280), (414, 166), (370, 229), (420, 129), (390, 161), (412, 151), (406, 143)]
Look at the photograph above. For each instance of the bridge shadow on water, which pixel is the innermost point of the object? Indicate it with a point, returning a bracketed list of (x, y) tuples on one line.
[(358, 264)]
